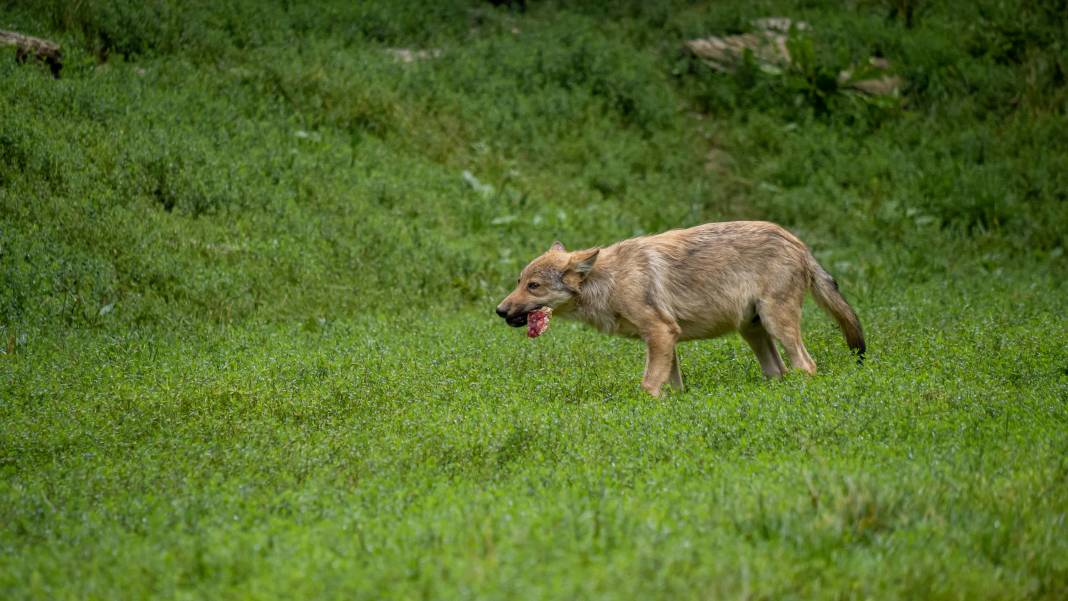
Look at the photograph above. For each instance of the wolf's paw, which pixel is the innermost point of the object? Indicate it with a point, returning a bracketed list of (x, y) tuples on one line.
[(653, 391)]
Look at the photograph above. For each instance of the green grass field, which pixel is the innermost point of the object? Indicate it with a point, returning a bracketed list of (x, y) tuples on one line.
[(248, 346)]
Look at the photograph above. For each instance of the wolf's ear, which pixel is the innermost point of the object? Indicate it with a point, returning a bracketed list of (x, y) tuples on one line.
[(582, 262), (557, 246)]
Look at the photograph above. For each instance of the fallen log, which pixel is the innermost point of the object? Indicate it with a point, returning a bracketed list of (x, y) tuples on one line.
[(43, 50), (769, 49)]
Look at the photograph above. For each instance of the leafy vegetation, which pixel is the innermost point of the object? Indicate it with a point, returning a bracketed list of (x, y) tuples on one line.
[(249, 252)]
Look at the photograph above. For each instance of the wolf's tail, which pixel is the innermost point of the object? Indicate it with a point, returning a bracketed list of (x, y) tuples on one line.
[(825, 290)]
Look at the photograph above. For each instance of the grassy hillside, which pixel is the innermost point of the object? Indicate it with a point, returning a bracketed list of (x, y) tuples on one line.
[(246, 162), (248, 255)]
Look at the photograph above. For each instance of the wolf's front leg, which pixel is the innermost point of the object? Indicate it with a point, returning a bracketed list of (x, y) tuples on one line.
[(659, 360), (676, 372)]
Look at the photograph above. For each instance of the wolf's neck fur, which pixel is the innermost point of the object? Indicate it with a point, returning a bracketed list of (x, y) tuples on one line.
[(592, 303)]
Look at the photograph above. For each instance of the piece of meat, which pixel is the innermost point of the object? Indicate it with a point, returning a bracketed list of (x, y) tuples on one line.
[(538, 322)]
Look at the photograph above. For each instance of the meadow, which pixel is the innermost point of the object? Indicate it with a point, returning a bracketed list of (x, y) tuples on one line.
[(249, 256)]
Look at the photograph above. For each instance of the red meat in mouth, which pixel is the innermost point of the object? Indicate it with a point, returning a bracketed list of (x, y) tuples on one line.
[(538, 322)]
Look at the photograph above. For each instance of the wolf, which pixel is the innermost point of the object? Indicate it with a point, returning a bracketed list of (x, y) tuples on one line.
[(703, 282)]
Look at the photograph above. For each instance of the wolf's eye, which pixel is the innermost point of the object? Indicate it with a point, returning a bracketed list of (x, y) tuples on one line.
[(532, 285)]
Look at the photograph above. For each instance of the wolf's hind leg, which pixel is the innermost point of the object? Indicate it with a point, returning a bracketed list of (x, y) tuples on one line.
[(764, 348), (783, 321)]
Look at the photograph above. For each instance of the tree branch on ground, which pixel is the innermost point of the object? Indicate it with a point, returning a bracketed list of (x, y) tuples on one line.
[(43, 50)]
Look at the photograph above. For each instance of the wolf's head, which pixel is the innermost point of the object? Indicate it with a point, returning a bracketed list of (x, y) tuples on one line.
[(551, 280)]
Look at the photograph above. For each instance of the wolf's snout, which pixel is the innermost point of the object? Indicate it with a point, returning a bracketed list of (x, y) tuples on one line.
[(513, 315)]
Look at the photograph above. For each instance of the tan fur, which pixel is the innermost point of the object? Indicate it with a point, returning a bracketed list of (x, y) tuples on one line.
[(702, 282)]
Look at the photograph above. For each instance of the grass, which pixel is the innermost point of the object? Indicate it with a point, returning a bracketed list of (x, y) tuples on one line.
[(450, 457), (248, 348)]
